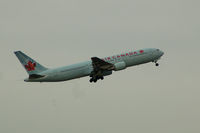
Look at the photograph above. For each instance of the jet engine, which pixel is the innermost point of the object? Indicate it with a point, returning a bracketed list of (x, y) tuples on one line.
[(119, 66)]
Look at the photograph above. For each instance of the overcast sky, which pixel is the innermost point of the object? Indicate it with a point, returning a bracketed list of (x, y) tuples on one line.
[(139, 99)]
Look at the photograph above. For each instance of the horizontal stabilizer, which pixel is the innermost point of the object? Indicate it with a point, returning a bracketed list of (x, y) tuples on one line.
[(35, 76)]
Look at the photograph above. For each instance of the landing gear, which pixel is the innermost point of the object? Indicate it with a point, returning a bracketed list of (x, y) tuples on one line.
[(156, 64), (95, 78), (96, 75)]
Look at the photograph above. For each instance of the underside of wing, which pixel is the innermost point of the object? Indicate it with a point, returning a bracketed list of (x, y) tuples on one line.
[(101, 69), (100, 64)]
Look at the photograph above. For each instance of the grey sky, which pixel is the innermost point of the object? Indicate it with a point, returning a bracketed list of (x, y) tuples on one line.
[(140, 99)]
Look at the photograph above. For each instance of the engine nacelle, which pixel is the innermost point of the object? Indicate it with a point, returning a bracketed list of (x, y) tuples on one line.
[(106, 73), (120, 66)]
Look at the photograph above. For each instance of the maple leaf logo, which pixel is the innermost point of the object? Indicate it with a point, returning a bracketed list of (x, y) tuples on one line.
[(141, 51), (30, 66)]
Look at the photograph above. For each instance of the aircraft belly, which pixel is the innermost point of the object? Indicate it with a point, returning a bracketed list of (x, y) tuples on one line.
[(73, 74)]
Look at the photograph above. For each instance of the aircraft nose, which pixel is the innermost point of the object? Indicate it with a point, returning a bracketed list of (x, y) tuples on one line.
[(162, 53), (159, 52)]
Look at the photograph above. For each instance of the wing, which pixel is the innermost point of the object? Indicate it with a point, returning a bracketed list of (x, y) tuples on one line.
[(100, 64), (101, 69)]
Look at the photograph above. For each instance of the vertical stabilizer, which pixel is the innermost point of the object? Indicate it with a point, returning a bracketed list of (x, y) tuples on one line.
[(30, 65)]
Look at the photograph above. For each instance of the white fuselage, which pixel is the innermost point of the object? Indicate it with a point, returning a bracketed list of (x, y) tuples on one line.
[(85, 68)]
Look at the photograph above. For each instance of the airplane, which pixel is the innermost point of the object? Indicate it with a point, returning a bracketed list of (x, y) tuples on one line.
[(96, 68)]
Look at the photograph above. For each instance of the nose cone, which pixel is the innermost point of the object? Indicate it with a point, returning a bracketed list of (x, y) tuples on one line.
[(162, 53), (159, 53)]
